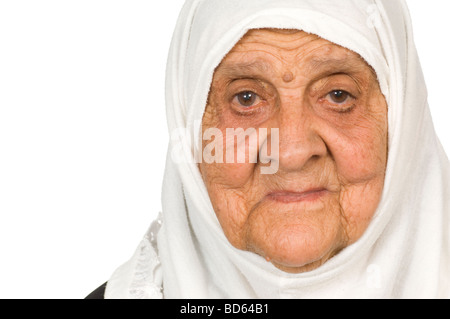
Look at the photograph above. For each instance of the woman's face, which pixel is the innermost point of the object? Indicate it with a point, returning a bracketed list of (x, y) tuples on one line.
[(332, 130)]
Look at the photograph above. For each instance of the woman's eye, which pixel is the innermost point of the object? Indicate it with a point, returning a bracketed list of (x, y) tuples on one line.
[(338, 97), (247, 98)]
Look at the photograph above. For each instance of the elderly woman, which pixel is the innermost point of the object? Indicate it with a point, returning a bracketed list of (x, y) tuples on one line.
[(337, 185)]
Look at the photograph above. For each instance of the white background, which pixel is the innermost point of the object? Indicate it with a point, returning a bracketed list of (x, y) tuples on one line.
[(83, 132)]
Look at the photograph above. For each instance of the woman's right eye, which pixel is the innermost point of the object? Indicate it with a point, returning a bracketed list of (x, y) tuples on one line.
[(247, 99)]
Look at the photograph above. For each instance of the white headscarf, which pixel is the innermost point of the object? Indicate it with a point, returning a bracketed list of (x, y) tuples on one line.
[(404, 253)]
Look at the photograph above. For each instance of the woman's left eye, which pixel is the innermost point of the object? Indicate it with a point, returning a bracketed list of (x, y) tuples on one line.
[(338, 97)]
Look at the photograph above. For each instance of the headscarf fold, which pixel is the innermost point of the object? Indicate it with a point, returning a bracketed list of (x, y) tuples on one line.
[(405, 251)]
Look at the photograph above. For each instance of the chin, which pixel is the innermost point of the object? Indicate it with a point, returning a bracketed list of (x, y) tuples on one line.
[(299, 249)]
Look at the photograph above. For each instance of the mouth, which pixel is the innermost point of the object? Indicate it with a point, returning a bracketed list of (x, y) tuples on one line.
[(293, 197)]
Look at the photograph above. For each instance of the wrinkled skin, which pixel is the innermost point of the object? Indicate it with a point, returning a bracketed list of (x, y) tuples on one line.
[(332, 120)]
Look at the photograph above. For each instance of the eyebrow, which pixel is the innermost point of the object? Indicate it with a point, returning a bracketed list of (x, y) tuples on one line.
[(322, 67), (318, 66), (241, 70)]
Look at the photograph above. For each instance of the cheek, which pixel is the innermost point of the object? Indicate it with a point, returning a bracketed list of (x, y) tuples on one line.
[(231, 195), (360, 152), (230, 153), (360, 156), (228, 175), (230, 184), (359, 162)]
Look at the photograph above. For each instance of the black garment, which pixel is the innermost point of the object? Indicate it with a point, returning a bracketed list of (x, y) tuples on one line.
[(98, 293)]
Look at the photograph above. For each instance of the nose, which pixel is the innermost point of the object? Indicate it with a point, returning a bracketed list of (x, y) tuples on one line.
[(300, 140)]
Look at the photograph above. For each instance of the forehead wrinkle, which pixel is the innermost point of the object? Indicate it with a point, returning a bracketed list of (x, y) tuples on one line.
[(332, 57), (285, 39), (308, 62)]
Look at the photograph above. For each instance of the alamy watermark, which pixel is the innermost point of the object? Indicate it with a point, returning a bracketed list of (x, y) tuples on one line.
[(232, 145)]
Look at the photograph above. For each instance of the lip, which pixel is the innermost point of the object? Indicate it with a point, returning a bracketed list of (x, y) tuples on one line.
[(293, 197)]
